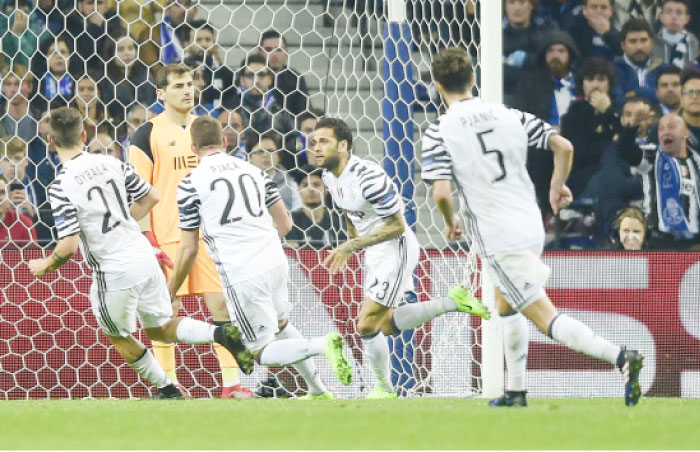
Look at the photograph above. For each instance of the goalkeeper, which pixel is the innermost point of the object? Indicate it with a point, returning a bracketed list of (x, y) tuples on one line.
[(161, 152)]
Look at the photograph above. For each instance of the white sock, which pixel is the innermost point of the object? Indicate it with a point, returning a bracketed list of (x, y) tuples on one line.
[(579, 337), (291, 351), (515, 345), (411, 315), (306, 368), (191, 331), (149, 369), (377, 350)]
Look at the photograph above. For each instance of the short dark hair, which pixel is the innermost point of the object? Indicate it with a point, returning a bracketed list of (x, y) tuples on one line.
[(688, 74), (635, 24), (312, 113), (634, 100), (306, 171), (341, 130), (66, 126), (610, 2), (682, 2), (592, 67), (201, 24), (166, 71), (206, 131), (453, 68), (669, 69), (272, 135), (253, 58), (271, 33)]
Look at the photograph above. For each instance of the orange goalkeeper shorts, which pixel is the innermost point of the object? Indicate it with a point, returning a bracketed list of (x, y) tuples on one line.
[(203, 278)]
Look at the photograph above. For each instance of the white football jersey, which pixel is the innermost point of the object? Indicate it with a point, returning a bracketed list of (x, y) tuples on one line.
[(483, 147), (365, 192), (228, 198), (91, 197)]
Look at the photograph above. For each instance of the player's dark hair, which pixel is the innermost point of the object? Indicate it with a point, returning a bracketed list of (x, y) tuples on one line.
[(66, 126), (206, 131), (667, 70), (688, 74), (165, 72), (453, 68), (592, 68), (341, 131), (634, 25)]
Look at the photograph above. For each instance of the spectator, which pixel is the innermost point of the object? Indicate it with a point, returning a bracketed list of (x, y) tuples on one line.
[(126, 80), (41, 171), (17, 119), (523, 37), (620, 183), (668, 89), (58, 79), (560, 11), (631, 228), (690, 104), (259, 102), (647, 10), (314, 226), (20, 34), (233, 125), (306, 124), (590, 124), (548, 89), (201, 84), (593, 32), (265, 154), (15, 227), (673, 182), (49, 19), (136, 116), (88, 102), (637, 70), (13, 166), (139, 15), (103, 143), (163, 43), (674, 44), (89, 26), (290, 87), (205, 53)]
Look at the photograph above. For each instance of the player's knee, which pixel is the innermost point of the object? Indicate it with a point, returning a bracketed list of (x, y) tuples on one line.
[(367, 325)]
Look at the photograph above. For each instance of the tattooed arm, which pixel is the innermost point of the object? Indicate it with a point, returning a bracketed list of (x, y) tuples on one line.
[(393, 227)]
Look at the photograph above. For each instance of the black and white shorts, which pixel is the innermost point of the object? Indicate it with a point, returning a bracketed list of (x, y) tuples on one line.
[(388, 269), (519, 275)]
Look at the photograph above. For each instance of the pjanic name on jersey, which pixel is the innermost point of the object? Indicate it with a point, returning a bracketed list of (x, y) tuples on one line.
[(479, 118)]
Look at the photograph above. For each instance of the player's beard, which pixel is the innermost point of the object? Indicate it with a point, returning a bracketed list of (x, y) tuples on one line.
[(330, 163)]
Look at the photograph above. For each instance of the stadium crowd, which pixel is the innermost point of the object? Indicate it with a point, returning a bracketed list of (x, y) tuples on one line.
[(619, 78)]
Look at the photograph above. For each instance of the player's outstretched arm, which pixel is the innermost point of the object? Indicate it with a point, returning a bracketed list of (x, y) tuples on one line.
[(186, 254), (65, 248), (442, 195), (280, 218), (393, 227), (139, 209), (559, 194)]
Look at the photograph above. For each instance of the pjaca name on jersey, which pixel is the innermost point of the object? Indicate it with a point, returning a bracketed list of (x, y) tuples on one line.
[(473, 120), (90, 173), (222, 167)]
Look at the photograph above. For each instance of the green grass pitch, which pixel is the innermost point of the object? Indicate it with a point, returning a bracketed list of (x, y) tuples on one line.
[(349, 424)]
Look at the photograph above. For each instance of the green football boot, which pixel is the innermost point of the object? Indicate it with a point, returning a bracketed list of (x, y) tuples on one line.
[(336, 356), (322, 396), (466, 302), (379, 393)]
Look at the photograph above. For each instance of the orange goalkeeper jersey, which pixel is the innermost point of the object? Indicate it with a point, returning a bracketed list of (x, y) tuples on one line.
[(161, 152)]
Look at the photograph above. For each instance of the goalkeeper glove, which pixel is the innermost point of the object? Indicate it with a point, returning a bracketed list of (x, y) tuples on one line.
[(163, 258)]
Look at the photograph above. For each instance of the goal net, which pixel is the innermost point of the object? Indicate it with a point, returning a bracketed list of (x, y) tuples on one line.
[(366, 62)]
